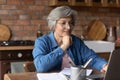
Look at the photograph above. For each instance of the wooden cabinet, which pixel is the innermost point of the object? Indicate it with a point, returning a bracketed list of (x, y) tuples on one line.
[(103, 3), (68, 2), (59, 2), (9, 54), (90, 3), (79, 3), (95, 3), (112, 3)]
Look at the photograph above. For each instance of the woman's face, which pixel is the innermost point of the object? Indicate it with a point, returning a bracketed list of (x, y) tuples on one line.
[(63, 26)]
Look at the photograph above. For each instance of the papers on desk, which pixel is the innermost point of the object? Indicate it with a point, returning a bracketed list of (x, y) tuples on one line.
[(51, 76), (66, 71), (58, 76)]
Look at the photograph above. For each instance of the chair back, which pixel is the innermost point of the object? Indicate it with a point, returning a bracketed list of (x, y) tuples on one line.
[(29, 66), (101, 46)]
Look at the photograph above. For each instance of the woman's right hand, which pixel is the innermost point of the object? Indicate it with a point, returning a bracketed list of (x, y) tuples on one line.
[(104, 69), (66, 42)]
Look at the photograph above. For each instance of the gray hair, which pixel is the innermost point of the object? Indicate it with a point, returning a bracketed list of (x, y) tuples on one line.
[(60, 12)]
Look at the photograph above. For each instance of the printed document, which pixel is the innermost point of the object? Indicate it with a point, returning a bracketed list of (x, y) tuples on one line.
[(59, 76), (51, 76)]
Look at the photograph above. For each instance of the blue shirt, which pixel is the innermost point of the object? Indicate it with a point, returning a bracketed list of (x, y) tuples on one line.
[(48, 55)]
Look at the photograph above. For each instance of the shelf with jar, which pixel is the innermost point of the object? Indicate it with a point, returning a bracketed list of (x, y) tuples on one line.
[(89, 3), (111, 3), (95, 3), (79, 2), (68, 2), (103, 3), (59, 2)]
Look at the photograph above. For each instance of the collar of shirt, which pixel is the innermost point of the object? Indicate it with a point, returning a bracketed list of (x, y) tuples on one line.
[(52, 39)]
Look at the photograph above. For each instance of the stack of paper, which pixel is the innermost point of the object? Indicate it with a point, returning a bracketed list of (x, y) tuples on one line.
[(58, 76), (66, 71), (51, 76)]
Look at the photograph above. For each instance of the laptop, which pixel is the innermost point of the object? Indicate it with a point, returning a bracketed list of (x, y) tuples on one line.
[(113, 71)]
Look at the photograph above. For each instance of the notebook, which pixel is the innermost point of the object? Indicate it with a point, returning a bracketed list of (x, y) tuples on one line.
[(113, 71)]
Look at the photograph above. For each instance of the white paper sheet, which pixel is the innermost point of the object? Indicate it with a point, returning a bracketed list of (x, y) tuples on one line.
[(66, 71), (58, 76), (51, 76)]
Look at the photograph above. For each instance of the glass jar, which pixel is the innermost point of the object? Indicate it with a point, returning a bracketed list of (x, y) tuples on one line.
[(39, 33), (111, 34), (118, 31)]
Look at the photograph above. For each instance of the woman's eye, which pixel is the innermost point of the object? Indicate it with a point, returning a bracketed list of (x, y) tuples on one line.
[(63, 23), (71, 23)]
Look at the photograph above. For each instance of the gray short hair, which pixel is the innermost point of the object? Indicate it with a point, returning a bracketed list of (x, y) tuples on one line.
[(60, 12)]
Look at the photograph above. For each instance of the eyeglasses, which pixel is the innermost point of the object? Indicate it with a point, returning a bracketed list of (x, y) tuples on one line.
[(65, 24)]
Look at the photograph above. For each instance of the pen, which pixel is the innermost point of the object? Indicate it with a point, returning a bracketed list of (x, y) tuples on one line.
[(86, 64), (71, 62), (68, 78)]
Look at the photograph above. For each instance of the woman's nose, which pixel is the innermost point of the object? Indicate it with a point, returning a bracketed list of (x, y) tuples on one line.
[(68, 26)]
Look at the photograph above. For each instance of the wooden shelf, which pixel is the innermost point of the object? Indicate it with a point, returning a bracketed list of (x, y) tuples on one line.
[(59, 2), (16, 48), (86, 3)]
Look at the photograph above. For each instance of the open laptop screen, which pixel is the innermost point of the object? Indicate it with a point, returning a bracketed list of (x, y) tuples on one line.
[(113, 71)]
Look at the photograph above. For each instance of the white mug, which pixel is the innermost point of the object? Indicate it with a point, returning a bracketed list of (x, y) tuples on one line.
[(78, 73)]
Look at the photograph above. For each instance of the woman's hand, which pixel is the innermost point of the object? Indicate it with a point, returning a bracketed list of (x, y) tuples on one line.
[(66, 42), (104, 69)]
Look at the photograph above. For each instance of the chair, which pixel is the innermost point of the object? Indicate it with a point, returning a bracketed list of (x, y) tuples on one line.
[(29, 66), (104, 48), (101, 46)]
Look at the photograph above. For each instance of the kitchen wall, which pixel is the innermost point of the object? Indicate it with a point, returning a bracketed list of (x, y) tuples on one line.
[(23, 17)]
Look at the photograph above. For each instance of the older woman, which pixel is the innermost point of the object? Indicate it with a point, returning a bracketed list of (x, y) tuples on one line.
[(50, 49)]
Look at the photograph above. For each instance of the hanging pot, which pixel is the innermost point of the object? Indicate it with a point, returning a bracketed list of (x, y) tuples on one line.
[(97, 30), (5, 33)]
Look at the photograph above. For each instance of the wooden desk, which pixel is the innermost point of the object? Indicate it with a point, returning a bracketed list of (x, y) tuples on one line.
[(21, 76), (29, 76), (9, 54)]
